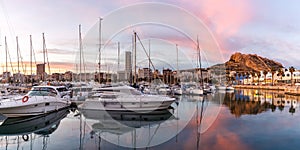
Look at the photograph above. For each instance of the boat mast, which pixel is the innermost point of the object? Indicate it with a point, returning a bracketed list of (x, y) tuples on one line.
[(31, 59), (149, 61), (199, 57), (80, 53), (100, 42), (135, 77), (18, 74), (177, 63), (6, 65), (118, 59)]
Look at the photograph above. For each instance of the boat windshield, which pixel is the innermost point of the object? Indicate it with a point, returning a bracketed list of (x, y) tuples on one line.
[(42, 91), (135, 92), (62, 89)]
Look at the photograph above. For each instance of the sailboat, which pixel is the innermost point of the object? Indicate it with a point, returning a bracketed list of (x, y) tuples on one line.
[(198, 90)]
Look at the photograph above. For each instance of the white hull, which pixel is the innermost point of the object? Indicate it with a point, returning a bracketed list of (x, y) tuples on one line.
[(196, 92), (229, 88), (221, 87), (178, 91), (34, 106), (146, 103)]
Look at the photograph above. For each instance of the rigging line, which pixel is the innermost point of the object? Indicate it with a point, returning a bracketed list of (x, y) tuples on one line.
[(46, 51), (22, 63), (12, 68), (145, 51), (10, 26)]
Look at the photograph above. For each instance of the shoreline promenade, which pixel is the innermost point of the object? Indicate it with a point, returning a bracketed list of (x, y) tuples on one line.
[(290, 90)]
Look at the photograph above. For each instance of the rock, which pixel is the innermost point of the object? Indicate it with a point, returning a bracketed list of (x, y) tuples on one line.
[(250, 63)]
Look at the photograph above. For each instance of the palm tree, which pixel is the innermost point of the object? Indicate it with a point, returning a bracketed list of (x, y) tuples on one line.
[(273, 71), (258, 75), (292, 70), (252, 76), (265, 72), (280, 73), (247, 76)]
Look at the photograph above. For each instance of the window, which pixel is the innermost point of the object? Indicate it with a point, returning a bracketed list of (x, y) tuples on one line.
[(42, 91)]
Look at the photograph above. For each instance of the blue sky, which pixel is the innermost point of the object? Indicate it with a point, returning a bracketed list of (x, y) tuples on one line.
[(269, 28)]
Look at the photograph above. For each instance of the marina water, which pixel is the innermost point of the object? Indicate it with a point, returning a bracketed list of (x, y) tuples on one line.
[(243, 119)]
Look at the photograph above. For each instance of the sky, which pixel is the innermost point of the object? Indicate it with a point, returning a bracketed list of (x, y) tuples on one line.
[(269, 28)]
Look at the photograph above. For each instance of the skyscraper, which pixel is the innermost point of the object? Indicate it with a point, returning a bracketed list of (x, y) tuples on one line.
[(128, 65)]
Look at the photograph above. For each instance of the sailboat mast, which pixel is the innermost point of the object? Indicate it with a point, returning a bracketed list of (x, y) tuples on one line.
[(135, 76), (18, 55), (118, 56), (199, 56), (100, 42), (44, 55), (18, 74), (31, 58), (149, 61), (80, 53), (177, 72), (6, 52)]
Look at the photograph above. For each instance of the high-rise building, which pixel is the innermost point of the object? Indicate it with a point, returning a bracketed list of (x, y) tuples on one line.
[(40, 71), (128, 65)]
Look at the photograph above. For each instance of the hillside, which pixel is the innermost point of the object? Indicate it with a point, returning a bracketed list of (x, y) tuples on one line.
[(250, 63)]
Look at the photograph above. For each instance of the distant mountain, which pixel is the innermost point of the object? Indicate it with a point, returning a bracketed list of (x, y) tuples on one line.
[(250, 63)]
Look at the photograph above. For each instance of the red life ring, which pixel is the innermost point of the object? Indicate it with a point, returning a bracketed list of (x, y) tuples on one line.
[(25, 99)]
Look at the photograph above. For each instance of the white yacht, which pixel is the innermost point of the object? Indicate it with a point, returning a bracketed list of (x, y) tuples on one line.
[(126, 98), (39, 100)]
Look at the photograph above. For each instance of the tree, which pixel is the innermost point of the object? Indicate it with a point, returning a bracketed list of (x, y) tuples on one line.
[(258, 75), (265, 72), (280, 73), (292, 70), (247, 76), (273, 71)]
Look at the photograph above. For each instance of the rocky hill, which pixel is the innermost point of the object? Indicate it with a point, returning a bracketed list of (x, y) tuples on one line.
[(250, 63)]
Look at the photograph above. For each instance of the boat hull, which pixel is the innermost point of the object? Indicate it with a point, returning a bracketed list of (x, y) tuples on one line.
[(34, 106), (127, 104)]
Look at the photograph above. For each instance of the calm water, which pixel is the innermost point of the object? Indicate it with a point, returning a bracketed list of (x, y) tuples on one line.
[(244, 119)]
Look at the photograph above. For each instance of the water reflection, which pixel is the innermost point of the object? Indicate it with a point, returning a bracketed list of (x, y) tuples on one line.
[(248, 101), (16, 132), (128, 129)]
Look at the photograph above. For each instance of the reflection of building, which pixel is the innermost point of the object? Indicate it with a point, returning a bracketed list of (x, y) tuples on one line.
[(40, 71)]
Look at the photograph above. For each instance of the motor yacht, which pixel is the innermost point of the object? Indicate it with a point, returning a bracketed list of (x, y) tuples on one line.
[(126, 98), (39, 100)]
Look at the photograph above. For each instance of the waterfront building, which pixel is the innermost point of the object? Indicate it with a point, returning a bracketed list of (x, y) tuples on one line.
[(40, 71), (145, 74)]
